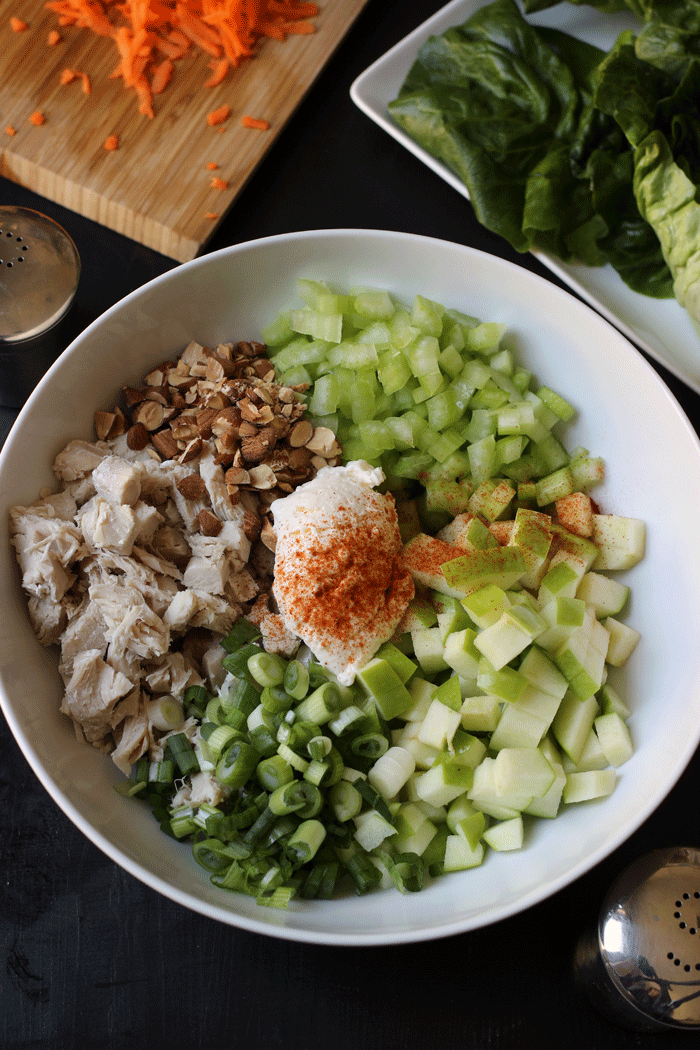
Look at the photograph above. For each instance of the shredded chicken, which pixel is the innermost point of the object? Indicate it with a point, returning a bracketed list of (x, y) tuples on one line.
[(154, 543)]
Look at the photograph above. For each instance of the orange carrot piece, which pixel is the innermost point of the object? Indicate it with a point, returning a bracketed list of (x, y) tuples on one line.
[(37, 118), (112, 143), (211, 215), (255, 122), (67, 75), (86, 85), (53, 38), (9, 130), (218, 116), (162, 76), (219, 70), (18, 25), (219, 184)]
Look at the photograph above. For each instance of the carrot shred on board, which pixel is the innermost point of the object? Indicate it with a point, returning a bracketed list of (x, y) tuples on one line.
[(9, 130), (147, 34), (212, 166), (37, 118), (53, 38), (67, 75), (219, 184), (211, 215), (219, 115), (86, 85), (112, 142), (255, 122), (18, 25)]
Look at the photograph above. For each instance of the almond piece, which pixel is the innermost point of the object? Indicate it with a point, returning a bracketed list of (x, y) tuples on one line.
[(149, 413), (209, 524), (251, 525), (104, 421), (192, 487), (262, 477), (255, 448), (132, 396), (166, 444), (302, 433), (137, 437)]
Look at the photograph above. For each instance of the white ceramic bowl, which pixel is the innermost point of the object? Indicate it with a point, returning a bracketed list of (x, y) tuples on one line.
[(627, 415)]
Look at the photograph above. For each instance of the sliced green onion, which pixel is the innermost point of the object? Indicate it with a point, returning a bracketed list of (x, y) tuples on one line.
[(276, 700), (345, 800), (296, 679), (273, 772), (370, 745), (242, 633), (267, 668), (321, 705), (237, 764), (236, 663), (304, 844), (299, 797), (183, 753), (375, 800), (363, 873)]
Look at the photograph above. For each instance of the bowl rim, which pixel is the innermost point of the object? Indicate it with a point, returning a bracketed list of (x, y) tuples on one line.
[(205, 908)]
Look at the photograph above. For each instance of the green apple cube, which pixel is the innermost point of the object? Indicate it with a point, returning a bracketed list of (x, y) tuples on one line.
[(592, 756), (454, 532), (595, 783), (565, 612), (548, 806), (500, 565), (424, 557), (429, 651), (532, 533), (620, 541), (607, 596), (573, 723), (508, 637), (414, 831), (560, 581), (404, 666), (423, 754), (612, 703), (444, 781), (536, 702), (371, 829), (461, 654), (439, 725), (615, 739), (380, 681), (517, 728), (480, 714), (471, 828), (522, 770), (420, 615), (391, 771), (459, 855), (523, 599), (458, 810), (452, 617), (467, 750), (486, 605), (449, 692), (421, 697), (505, 683), (622, 641), (485, 796), (542, 673), (506, 835), (579, 552)]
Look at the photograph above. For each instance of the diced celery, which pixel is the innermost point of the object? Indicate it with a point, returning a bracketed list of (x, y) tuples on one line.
[(427, 315), (324, 399), (328, 327)]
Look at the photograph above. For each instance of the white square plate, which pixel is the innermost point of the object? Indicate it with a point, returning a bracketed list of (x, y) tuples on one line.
[(659, 326)]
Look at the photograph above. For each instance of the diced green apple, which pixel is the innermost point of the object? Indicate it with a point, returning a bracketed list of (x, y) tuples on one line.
[(522, 770), (560, 581), (485, 795), (480, 714), (380, 681), (542, 673), (596, 783), (615, 738), (444, 781), (620, 541), (500, 565), (439, 725), (505, 683), (459, 855), (506, 835), (606, 595), (622, 641), (461, 654), (572, 724), (532, 534), (429, 650), (517, 728), (485, 605), (510, 635), (612, 703), (592, 756)]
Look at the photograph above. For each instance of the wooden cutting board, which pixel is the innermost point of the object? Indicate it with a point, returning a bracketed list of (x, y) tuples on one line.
[(155, 188)]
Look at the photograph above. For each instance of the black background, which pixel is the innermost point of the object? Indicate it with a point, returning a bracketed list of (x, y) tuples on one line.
[(93, 958)]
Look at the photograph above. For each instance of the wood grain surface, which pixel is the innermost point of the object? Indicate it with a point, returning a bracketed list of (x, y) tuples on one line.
[(155, 188)]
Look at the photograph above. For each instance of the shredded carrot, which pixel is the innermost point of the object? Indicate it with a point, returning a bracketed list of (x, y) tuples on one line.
[(87, 86), (211, 215), (37, 118), (218, 184), (218, 116), (212, 166), (255, 122), (53, 38), (9, 130), (161, 76), (18, 25), (112, 142), (67, 75), (150, 35), (219, 70)]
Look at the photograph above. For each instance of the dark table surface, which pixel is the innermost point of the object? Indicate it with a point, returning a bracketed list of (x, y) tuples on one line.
[(95, 959)]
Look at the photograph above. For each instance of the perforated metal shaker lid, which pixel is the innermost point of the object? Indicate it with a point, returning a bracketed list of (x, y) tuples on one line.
[(39, 273), (646, 970)]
